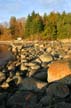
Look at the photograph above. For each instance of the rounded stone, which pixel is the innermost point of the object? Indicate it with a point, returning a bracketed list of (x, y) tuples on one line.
[(59, 70), (58, 90), (45, 58)]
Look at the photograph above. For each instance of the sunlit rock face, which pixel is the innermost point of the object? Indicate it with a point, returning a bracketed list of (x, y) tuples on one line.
[(46, 58), (59, 70)]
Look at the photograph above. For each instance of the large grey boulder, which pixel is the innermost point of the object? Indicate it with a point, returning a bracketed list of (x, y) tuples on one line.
[(57, 90), (28, 84), (31, 84), (54, 94), (3, 97), (63, 105), (46, 100), (40, 74)]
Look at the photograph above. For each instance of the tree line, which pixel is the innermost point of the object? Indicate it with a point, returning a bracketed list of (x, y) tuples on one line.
[(51, 27)]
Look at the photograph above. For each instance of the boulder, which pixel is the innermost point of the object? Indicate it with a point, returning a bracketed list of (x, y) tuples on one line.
[(40, 74), (3, 97), (46, 58), (2, 76), (33, 68), (49, 49), (46, 100), (28, 84), (63, 105), (31, 84), (57, 90), (59, 70)]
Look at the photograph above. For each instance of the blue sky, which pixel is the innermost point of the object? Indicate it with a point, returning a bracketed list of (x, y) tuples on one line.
[(21, 8)]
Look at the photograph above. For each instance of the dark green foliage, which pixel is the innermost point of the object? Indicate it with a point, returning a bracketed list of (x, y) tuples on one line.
[(28, 26), (52, 27), (34, 24), (57, 26), (64, 26)]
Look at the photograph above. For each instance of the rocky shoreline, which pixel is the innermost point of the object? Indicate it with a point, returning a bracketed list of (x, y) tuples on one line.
[(39, 76)]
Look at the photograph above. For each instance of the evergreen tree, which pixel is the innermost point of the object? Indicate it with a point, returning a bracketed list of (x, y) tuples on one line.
[(34, 24)]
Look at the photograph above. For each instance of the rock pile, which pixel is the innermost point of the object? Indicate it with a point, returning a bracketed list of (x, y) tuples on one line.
[(39, 76)]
